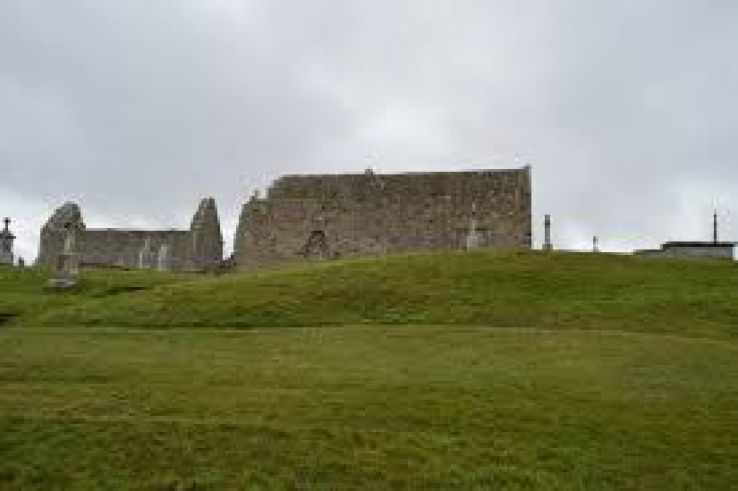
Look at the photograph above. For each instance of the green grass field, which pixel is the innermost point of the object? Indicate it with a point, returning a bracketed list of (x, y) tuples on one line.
[(437, 371)]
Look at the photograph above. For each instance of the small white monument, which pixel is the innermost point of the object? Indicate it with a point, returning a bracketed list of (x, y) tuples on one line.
[(146, 255), (164, 258), (472, 238)]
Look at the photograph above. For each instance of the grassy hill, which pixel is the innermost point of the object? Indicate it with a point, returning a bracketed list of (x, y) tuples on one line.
[(431, 371), (23, 293), (479, 288)]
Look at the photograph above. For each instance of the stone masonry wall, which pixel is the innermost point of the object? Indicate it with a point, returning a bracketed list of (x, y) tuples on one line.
[(206, 237), (321, 216), (197, 249), (124, 248)]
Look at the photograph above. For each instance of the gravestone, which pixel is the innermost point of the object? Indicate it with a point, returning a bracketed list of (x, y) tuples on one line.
[(67, 264), (146, 255), (472, 238), (164, 258)]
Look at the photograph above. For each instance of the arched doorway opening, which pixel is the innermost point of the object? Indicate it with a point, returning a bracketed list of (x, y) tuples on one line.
[(316, 246)]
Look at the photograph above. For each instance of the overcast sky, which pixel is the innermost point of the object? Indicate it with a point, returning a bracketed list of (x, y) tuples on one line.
[(626, 109)]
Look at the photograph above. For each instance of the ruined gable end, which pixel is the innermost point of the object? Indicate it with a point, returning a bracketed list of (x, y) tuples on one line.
[(69, 215), (206, 237)]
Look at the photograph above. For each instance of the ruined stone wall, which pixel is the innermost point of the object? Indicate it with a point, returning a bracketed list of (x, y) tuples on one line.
[(206, 237), (135, 249), (198, 249), (323, 216), (53, 233)]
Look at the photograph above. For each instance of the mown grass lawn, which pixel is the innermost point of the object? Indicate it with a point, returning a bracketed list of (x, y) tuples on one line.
[(491, 369), (23, 293), (366, 407)]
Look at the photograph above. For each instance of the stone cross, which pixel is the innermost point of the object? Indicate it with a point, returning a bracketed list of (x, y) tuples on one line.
[(70, 241), (67, 265), (6, 244)]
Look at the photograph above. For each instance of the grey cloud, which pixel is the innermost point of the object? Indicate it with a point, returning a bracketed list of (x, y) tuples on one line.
[(625, 109)]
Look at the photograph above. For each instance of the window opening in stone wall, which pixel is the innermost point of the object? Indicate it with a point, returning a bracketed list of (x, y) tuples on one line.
[(316, 246)]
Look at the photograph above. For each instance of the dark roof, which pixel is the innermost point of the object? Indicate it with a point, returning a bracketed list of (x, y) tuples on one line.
[(698, 244)]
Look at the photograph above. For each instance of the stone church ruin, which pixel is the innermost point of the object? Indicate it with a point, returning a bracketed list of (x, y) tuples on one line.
[(198, 249), (307, 217)]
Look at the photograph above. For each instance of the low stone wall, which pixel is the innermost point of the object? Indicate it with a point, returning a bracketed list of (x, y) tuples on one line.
[(696, 250)]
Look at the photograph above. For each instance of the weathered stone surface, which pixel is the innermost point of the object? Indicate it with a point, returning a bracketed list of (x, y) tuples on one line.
[(66, 268), (54, 233), (321, 216), (197, 249), (207, 239)]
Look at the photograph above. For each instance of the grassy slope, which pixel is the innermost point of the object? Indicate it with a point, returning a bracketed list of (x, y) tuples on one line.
[(480, 288), (22, 292), (379, 407)]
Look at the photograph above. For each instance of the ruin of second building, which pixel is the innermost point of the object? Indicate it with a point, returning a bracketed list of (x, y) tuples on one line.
[(200, 248)]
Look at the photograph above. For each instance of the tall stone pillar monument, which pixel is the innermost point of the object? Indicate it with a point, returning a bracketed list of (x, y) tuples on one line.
[(547, 245), (6, 244)]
